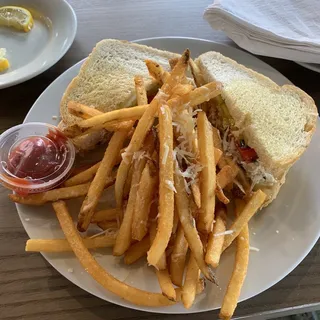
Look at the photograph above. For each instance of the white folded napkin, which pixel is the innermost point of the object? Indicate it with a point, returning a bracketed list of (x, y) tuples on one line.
[(288, 29)]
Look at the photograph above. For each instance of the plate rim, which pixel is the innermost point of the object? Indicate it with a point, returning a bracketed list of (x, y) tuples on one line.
[(164, 310), (53, 61)]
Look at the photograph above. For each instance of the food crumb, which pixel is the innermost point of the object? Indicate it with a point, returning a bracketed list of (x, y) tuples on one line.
[(277, 231), (27, 219), (254, 233), (54, 117), (70, 270)]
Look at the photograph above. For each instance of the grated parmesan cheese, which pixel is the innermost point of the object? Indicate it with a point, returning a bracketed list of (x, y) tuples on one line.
[(162, 110), (254, 249), (170, 185), (219, 234), (110, 232)]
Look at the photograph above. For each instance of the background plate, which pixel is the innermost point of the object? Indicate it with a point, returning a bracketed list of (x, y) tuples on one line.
[(31, 53), (284, 232)]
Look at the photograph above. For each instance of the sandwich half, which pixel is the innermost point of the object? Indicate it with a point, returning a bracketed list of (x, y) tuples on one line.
[(105, 81), (264, 127)]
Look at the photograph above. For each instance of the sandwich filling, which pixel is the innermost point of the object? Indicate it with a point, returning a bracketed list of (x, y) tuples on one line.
[(235, 146)]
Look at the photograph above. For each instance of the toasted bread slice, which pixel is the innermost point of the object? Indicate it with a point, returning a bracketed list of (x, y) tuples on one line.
[(277, 122), (105, 80)]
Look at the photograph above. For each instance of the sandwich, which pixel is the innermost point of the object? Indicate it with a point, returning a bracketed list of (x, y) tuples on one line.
[(105, 82), (265, 128)]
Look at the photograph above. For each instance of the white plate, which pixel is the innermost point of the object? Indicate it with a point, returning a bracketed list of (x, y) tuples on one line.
[(311, 66), (284, 232), (31, 53)]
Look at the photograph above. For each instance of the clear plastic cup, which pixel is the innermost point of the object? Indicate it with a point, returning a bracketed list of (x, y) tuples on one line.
[(34, 157)]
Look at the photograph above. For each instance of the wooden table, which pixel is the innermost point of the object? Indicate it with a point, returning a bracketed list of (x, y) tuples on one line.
[(29, 287)]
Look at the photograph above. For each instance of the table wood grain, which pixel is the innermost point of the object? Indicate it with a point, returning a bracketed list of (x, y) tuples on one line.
[(29, 287)]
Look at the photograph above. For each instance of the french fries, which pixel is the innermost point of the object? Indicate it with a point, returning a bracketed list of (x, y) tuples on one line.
[(216, 238), (82, 111), (189, 288), (133, 113), (141, 92), (83, 177), (247, 213), (178, 258), (136, 296), (146, 122), (165, 197), (105, 215), (39, 199), (161, 270), (145, 195), (166, 187), (98, 183), (189, 227), (106, 225), (156, 71), (239, 272), (123, 240), (62, 245), (208, 173), (137, 250)]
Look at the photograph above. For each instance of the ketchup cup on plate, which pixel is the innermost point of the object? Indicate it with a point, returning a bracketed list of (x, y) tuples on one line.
[(34, 157)]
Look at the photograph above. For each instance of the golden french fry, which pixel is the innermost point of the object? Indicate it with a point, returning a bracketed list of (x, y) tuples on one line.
[(39, 199), (98, 273), (84, 176), (189, 288), (105, 225), (208, 173), (221, 196), (240, 268), (141, 92), (163, 276), (189, 227), (226, 175), (255, 202), (82, 111), (162, 263), (166, 187), (123, 239), (197, 96), (195, 188), (132, 113), (97, 185), (216, 238), (137, 250), (166, 284), (181, 89), (178, 257), (62, 245), (145, 194), (146, 123), (106, 215), (156, 71)]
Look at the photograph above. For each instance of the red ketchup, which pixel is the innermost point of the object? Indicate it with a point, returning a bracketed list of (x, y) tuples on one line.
[(35, 157)]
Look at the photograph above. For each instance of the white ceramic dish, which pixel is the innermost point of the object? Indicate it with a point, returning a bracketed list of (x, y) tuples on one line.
[(29, 54), (311, 66), (284, 232)]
